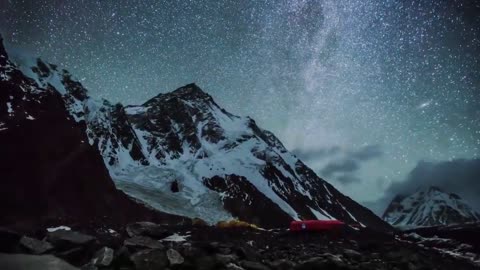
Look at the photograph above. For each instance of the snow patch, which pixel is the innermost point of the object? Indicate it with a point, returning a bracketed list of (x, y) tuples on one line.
[(58, 228), (9, 108), (319, 215), (176, 238)]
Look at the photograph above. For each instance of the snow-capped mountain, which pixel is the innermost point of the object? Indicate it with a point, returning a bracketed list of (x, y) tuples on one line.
[(225, 165), (429, 207), (182, 153)]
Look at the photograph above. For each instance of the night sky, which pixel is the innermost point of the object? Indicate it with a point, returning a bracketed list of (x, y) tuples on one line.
[(362, 90)]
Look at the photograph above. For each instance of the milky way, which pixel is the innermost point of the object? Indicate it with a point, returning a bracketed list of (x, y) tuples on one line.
[(400, 76)]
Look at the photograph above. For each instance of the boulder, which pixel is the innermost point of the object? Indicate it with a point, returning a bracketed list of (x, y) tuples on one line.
[(250, 265), (327, 262), (89, 266), (174, 257), (142, 242), (233, 266), (33, 262), (76, 256), (122, 259), (147, 229), (247, 253), (226, 259), (103, 257), (150, 259), (350, 253), (174, 187), (66, 239), (35, 246), (282, 264)]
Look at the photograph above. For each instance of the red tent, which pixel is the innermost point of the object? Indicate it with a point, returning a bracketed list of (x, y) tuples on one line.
[(316, 225)]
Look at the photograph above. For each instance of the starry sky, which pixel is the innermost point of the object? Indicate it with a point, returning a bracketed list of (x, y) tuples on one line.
[(363, 91)]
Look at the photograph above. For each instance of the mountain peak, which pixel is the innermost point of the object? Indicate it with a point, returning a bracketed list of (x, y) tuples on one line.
[(430, 206), (190, 91)]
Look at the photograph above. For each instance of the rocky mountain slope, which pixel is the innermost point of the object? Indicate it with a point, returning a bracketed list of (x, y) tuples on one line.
[(429, 207), (180, 152), (49, 172)]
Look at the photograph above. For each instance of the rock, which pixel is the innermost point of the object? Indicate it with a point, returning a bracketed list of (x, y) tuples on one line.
[(33, 262), (103, 257), (352, 253), (247, 253), (332, 258), (375, 255), (282, 264), (250, 265), (35, 246), (226, 259), (147, 229), (142, 242), (174, 257), (89, 266), (224, 250), (76, 256), (150, 259), (8, 240), (64, 239), (232, 266), (323, 263), (190, 251), (122, 259), (174, 187)]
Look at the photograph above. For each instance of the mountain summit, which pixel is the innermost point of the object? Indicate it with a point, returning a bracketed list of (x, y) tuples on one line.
[(429, 207)]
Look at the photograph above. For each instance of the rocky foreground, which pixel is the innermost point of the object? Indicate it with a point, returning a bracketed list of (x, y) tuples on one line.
[(145, 246)]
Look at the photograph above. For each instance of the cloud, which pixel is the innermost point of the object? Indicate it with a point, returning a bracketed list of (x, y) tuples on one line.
[(316, 154), (460, 176), (342, 168), (347, 179), (344, 165), (340, 164), (367, 153)]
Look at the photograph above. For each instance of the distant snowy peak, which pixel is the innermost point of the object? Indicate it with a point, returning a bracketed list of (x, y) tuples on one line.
[(429, 207)]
